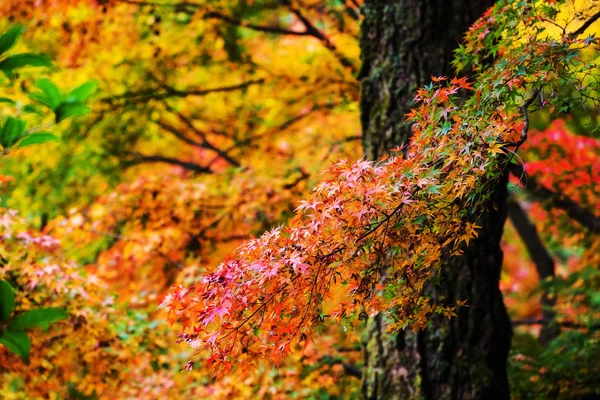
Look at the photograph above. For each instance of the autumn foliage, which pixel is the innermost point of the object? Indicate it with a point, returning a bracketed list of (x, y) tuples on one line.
[(208, 215)]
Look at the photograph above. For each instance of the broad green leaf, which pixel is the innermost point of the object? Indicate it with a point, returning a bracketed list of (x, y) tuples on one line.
[(12, 131), (11, 63), (30, 108), (51, 95), (41, 317), (9, 38), (37, 138), (6, 100), (7, 300), (67, 110), (17, 342), (41, 98), (83, 92)]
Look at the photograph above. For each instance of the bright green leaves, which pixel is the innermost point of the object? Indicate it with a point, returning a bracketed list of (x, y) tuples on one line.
[(17, 342), (67, 110), (9, 38), (11, 63), (82, 93), (12, 330), (37, 138), (7, 300), (73, 104), (49, 96), (11, 131), (42, 317)]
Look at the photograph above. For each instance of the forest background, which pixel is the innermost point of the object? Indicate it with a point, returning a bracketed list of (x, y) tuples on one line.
[(209, 123)]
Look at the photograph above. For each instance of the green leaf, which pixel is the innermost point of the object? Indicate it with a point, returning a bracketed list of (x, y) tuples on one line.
[(17, 342), (30, 108), (67, 110), (6, 100), (435, 189), (12, 131), (41, 98), (9, 38), (37, 138), (82, 93), (7, 300), (50, 95), (24, 60), (41, 317)]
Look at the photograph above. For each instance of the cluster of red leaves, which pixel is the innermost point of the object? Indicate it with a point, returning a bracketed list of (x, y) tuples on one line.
[(566, 163), (379, 230)]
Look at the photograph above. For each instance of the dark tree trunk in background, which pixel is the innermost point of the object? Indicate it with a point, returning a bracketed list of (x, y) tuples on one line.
[(403, 43)]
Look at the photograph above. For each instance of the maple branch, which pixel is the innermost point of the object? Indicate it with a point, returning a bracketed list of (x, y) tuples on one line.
[(205, 143), (260, 28), (527, 231), (543, 261), (144, 95), (309, 30), (558, 200), (585, 25), (178, 134), (525, 116), (318, 34), (303, 176), (190, 166), (181, 6)]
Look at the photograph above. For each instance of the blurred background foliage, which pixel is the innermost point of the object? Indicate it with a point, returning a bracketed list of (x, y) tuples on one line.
[(211, 120)]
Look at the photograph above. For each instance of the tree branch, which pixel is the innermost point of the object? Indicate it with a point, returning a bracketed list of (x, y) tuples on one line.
[(178, 134), (181, 6), (205, 143), (586, 25), (309, 30), (260, 28), (168, 92), (190, 166), (303, 176), (318, 34), (544, 265), (542, 259), (558, 200)]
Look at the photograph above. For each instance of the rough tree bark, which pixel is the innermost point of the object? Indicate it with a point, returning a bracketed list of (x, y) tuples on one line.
[(403, 43)]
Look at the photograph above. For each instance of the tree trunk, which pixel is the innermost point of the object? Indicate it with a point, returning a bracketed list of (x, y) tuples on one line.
[(403, 43)]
